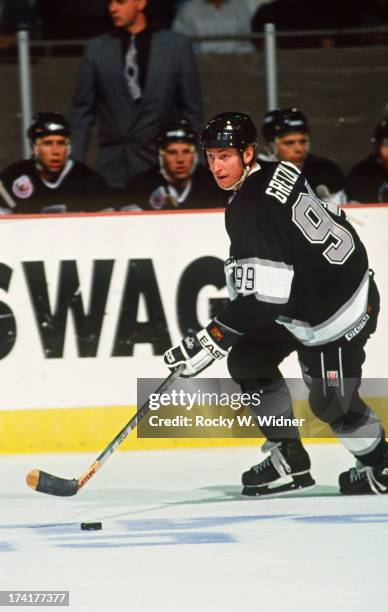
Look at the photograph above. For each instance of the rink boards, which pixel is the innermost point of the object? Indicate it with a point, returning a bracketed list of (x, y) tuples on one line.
[(89, 303)]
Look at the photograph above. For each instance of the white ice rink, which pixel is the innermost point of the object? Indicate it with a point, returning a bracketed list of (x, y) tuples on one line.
[(177, 535)]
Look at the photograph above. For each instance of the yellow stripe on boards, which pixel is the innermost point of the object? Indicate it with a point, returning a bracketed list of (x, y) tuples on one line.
[(91, 430)]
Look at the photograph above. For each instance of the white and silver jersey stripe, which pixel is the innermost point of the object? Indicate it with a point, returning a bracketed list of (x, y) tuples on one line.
[(269, 281), (337, 325)]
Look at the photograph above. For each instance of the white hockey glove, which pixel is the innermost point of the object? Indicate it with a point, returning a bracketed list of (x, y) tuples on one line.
[(230, 279), (197, 352)]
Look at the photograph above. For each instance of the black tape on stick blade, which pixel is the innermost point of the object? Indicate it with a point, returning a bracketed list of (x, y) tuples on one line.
[(47, 483)]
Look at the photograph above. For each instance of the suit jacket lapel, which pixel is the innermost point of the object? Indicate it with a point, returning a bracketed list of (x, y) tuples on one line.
[(156, 67)]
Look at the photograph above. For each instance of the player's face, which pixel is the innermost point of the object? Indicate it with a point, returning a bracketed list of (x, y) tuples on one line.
[(178, 160), (383, 155), (292, 147), (226, 166), (124, 13), (52, 152)]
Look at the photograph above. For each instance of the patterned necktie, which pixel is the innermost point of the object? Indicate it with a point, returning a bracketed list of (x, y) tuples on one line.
[(132, 70)]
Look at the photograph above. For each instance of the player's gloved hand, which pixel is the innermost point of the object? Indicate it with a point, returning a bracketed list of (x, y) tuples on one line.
[(197, 352), (230, 279)]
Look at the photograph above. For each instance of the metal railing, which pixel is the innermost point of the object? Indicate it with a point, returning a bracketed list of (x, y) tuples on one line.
[(269, 39), (25, 87), (376, 32)]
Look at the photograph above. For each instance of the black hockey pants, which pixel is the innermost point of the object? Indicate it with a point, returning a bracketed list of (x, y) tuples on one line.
[(332, 373)]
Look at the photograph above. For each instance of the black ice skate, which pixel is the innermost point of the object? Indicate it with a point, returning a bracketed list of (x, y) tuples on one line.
[(288, 466), (365, 480)]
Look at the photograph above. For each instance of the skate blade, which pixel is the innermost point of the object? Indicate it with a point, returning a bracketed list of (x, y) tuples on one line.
[(255, 494), (297, 485)]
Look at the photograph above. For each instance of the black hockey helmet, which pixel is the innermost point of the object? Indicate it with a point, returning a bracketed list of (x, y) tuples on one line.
[(381, 131), (47, 124), (283, 121), (229, 130), (178, 130)]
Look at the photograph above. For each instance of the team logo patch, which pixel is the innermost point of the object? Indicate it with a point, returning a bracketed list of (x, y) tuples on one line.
[(332, 378), (158, 198), (216, 333), (23, 187)]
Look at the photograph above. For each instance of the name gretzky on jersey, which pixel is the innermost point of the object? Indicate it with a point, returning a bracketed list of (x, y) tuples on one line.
[(283, 181)]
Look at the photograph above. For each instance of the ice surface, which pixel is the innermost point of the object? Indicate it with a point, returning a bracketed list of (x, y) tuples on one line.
[(177, 535)]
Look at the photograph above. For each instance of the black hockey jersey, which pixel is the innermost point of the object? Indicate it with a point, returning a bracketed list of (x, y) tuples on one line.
[(320, 173), (367, 181), (298, 260), (77, 189), (151, 191)]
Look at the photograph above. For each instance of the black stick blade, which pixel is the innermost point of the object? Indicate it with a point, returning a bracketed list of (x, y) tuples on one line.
[(52, 485)]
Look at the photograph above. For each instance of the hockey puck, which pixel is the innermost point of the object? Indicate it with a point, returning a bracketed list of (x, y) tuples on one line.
[(91, 526)]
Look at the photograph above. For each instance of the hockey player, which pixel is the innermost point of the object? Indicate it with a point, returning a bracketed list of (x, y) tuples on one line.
[(178, 181), (367, 181), (299, 281), (286, 133), (51, 181)]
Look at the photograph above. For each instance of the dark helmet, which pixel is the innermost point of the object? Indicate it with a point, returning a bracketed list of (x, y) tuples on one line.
[(381, 131), (283, 121), (178, 130), (47, 124), (229, 130)]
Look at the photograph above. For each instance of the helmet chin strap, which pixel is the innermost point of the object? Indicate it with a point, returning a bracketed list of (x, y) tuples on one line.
[(271, 148), (236, 186), (165, 174), (272, 151), (35, 155)]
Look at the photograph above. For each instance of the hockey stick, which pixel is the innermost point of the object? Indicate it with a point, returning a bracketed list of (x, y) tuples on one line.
[(53, 485), (6, 197)]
